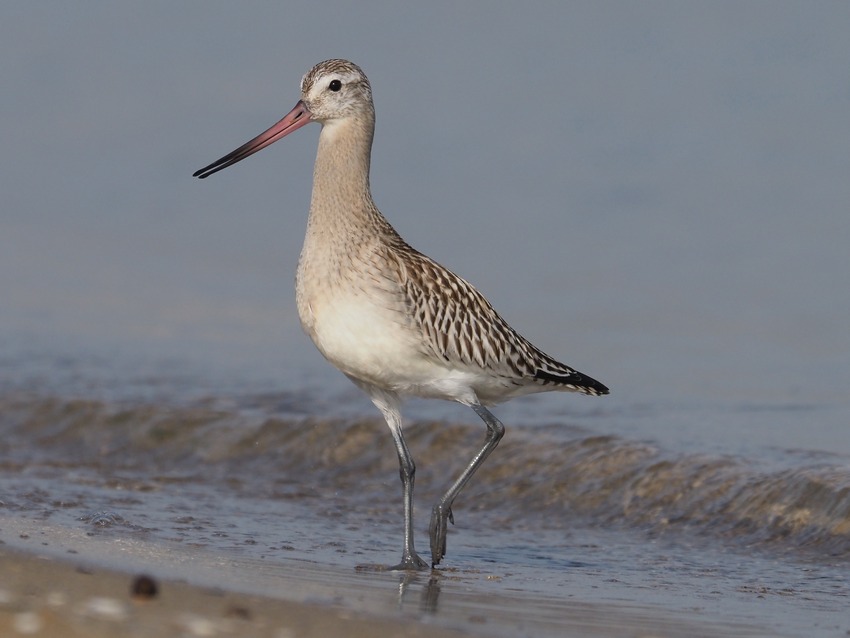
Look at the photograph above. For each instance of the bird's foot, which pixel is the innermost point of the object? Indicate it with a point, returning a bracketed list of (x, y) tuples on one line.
[(410, 562), (440, 517)]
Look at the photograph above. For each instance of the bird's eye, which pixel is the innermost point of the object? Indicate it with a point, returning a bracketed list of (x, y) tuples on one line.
[(335, 85)]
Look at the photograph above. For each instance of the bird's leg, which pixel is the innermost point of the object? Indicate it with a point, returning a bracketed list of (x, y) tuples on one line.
[(410, 560), (442, 512)]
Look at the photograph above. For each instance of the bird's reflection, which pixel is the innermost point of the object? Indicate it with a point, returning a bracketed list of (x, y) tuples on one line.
[(430, 594)]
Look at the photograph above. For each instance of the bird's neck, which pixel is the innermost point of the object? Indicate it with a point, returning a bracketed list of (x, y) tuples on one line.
[(341, 195)]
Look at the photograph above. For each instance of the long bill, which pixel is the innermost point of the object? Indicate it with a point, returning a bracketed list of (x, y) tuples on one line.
[(292, 121)]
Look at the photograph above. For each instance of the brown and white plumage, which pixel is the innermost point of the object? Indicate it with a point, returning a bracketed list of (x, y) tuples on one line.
[(393, 320)]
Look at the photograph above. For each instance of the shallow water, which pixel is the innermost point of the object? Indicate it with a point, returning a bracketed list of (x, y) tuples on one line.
[(560, 513)]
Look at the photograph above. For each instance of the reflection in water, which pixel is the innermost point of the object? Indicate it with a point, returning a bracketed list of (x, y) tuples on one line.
[(408, 583), (431, 594)]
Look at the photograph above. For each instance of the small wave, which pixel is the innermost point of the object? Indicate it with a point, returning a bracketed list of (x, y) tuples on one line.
[(553, 476)]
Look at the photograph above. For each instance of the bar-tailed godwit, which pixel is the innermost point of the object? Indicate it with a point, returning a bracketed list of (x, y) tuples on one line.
[(394, 321)]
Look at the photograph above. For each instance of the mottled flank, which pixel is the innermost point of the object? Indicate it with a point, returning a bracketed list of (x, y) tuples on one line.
[(460, 326), (394, 321)]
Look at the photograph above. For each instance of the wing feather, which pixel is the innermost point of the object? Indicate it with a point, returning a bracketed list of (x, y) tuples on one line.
[(460, 327)]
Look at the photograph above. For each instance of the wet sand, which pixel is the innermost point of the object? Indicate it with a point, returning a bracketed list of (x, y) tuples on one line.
[(61, 582), (47, 597)]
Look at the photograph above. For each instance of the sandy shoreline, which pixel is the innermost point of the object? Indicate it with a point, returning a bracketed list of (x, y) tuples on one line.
[(57, 582), (65, 582), (43, 596)]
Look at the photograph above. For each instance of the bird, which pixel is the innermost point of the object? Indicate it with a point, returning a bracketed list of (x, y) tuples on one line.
[(393, 320)]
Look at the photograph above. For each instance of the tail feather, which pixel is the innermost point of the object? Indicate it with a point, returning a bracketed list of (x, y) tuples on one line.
[(573, 379)]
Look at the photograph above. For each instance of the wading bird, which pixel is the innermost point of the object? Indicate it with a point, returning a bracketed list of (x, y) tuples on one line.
[(394, 321)]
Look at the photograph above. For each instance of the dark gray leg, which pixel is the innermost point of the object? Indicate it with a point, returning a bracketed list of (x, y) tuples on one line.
[(407, 471), (442, 512)]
